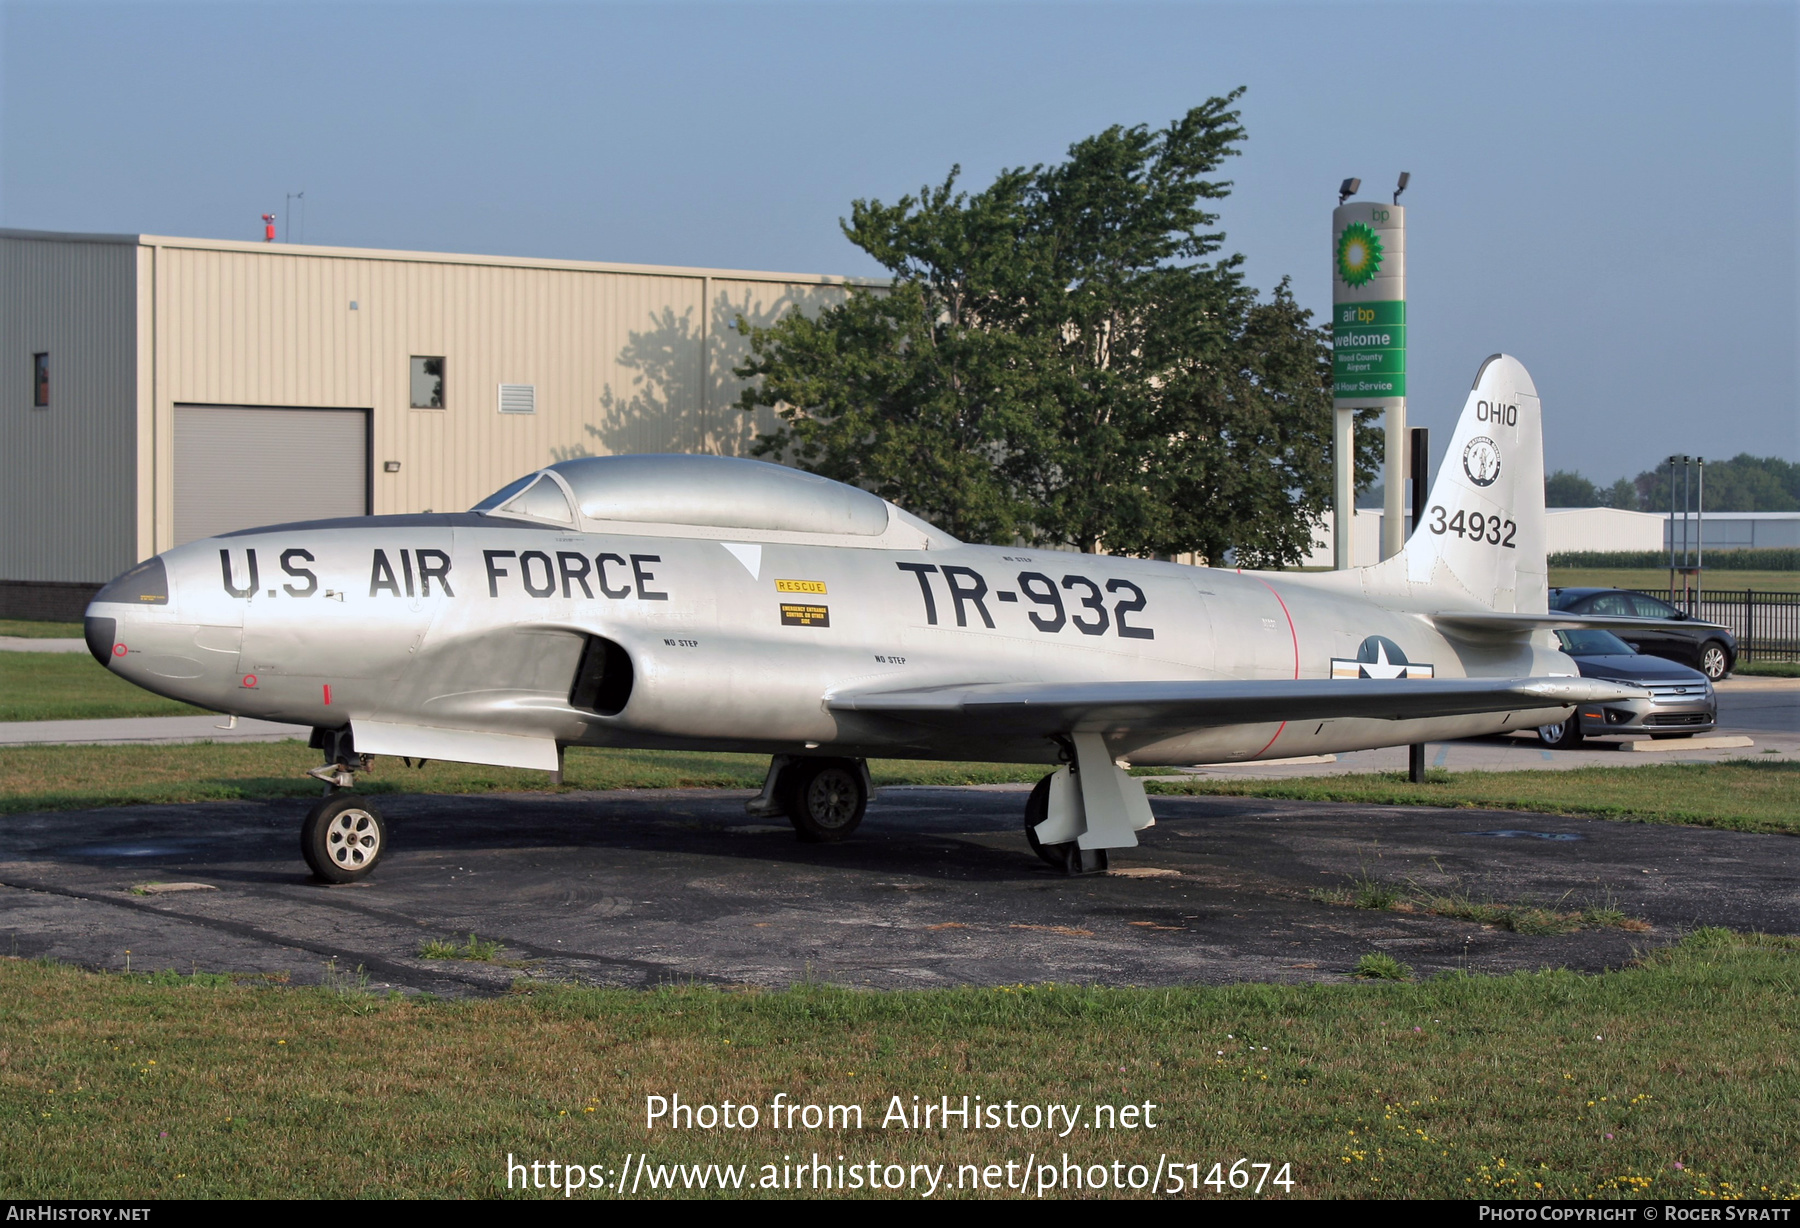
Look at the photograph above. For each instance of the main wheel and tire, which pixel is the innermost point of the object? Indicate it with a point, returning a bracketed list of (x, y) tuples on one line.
[(1069, 856), (1713, 660), (824, 798), (1564, 735), (343, 838)]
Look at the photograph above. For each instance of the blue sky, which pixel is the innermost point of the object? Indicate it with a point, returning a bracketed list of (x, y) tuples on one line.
[(1606, 190)]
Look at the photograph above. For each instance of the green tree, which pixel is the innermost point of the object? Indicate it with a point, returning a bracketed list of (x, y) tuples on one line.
[(1567, 489), (1744, 483), (1061, 359), (1621, 494)]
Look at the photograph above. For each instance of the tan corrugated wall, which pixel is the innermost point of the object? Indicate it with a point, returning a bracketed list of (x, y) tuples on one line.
[(616, 356), (67, 473)]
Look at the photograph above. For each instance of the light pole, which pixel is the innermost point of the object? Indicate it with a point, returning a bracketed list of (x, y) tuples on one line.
[(287, 216)]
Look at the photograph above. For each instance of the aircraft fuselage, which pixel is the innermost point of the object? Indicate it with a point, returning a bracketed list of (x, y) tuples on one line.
[(472, 622)]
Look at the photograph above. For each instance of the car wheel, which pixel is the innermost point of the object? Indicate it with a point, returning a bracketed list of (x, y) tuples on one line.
[(1713, 661), (1564, 735), (825, 798), (343, 838)]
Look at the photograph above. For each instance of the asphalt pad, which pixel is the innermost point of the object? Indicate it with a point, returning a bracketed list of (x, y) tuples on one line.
[(937, 888)]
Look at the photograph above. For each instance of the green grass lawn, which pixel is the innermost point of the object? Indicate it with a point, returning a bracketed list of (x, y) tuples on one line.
[(77, 777), (1673, 1078), (1654, 580), (1768, 669), (1742, 795), (1754, 795), (71, 686), (34, 630)]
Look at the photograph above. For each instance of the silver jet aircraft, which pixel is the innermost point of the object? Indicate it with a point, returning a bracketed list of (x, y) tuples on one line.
[(711, 603)]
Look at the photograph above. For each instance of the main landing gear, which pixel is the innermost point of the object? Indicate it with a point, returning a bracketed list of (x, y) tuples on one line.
[(823, 798), (1067, 856), (343, 836)]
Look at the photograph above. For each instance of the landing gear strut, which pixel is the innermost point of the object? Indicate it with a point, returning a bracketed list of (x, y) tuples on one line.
[(1068, 856), (823, 798), (343, 836)]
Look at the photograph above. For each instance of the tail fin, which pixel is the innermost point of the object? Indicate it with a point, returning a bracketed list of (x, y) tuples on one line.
[(1483, 528)]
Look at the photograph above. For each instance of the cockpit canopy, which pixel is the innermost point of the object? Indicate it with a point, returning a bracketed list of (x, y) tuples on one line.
[(713, 491)]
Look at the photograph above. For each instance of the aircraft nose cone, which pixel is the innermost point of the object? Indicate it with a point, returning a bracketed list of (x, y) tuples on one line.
[(147, 584), (101, 634)]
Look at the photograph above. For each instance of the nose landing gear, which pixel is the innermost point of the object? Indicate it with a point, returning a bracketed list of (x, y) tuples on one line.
[(343, 836)]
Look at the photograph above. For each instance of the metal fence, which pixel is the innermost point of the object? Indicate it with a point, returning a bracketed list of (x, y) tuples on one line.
[(1767, 625)]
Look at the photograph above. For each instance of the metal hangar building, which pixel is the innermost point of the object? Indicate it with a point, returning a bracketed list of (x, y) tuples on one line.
[(159, 390)]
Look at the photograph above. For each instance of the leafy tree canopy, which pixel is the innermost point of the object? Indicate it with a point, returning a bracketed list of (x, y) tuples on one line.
[(1565, 489), (1744, 483), (1062, 358)]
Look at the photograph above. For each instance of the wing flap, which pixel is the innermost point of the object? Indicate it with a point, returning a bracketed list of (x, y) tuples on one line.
[(1066, 708)]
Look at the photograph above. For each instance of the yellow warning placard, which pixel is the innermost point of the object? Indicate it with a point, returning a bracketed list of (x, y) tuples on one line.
[(805, 615), (816, 587)]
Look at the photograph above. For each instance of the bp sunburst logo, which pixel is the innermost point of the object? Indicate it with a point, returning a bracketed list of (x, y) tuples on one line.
[(1358, 255)]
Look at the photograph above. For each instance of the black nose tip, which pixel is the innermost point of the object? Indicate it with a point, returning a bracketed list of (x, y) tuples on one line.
[(101, 633)]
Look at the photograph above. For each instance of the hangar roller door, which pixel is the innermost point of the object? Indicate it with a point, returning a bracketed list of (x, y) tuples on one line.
[(238, 467)]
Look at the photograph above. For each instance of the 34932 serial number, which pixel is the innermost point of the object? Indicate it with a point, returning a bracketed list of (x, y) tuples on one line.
[(1474, 526)]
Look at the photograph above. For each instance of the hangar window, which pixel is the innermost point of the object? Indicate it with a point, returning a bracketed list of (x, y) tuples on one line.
[(427, 382), (40, 381)]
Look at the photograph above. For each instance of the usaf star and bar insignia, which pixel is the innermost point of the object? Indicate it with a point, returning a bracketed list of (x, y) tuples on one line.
[(1378, 657)]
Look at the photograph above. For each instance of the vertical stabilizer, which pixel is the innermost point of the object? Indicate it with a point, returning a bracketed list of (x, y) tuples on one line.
[(1483, 529)]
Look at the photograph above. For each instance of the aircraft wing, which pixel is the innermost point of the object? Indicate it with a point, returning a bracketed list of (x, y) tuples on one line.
[(1045, 709)]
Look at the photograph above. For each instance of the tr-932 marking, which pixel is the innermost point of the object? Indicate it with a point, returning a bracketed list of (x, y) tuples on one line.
[(1090, 614)]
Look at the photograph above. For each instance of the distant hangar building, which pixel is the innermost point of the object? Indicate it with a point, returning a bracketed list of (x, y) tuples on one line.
[(159, 390)]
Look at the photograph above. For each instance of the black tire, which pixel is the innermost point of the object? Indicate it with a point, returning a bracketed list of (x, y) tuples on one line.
[(1068, 857), (1715, 662), (343, 838), (1565, 735), (824, 798)]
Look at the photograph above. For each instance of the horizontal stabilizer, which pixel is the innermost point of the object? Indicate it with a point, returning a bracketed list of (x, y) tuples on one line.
[(1504, 623), (1049, 709), (1500, 623)]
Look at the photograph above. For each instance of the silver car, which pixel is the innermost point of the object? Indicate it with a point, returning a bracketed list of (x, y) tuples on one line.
[(1681, 702)]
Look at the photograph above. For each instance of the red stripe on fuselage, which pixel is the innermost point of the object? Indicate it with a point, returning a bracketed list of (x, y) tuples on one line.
[(1296, 638)]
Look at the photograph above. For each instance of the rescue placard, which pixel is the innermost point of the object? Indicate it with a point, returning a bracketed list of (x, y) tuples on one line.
[(816, 587)]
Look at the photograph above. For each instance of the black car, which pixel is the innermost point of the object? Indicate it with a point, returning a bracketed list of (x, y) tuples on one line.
[(1681, 702), (1655, 627)]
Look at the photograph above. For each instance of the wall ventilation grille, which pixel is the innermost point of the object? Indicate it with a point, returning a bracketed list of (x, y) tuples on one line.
[(518, 398)]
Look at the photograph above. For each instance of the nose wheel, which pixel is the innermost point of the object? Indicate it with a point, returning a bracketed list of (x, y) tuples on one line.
[(343, 838)]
